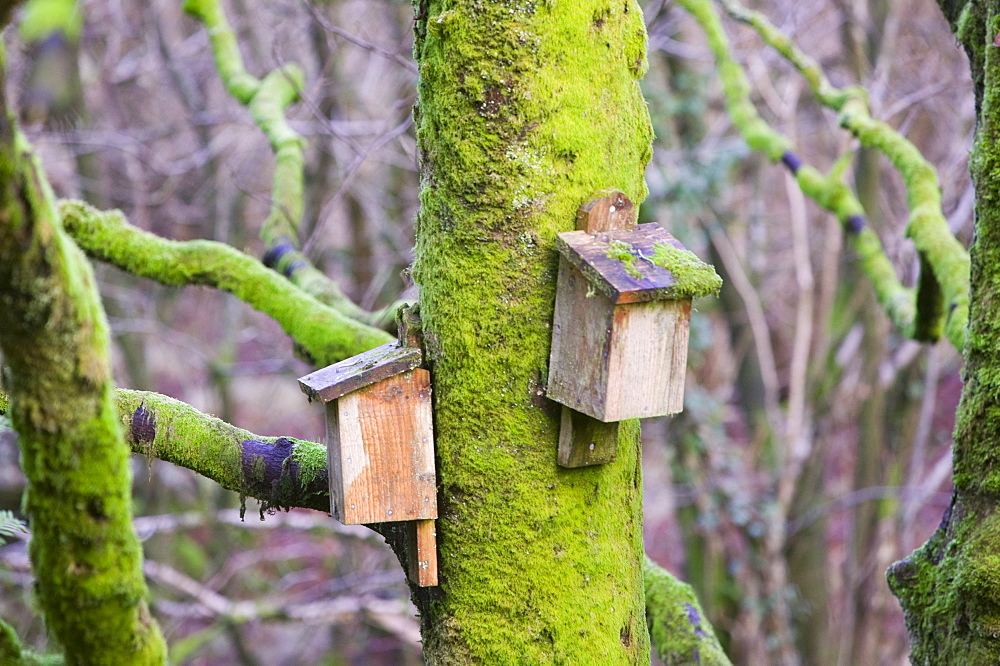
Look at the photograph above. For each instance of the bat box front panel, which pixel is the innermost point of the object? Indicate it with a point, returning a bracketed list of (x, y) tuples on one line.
[(381, 452), (647, 360)]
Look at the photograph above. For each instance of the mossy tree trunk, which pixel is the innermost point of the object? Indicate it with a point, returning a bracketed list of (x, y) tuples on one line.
[(54, 339), (950, 587), (526, 110)]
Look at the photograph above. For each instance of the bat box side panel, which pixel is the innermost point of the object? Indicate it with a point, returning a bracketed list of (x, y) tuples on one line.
[(333, 465), (648, 359), (381, 452), (581, 334)]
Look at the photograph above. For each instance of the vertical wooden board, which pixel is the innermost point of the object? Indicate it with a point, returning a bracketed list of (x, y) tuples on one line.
[(333, 460), (382, 453), (611, 212), (583, 440), (581, 333), (422, 565), (648, 360), (678, 357)]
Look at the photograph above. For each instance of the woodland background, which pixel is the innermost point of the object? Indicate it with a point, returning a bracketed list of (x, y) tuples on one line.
[(795, 355)]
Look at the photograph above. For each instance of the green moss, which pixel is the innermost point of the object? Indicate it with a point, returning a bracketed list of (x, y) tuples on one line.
[(185, 436), (311, 458), (213, 448), (10, 646), (12, 653), (525, 110), (54, 339), (625, 253), (949, 589), (41, 18), (828, 190), (240, 84), (977, 462), (970, 28), (677, 624), (940, 252), (693, 277)]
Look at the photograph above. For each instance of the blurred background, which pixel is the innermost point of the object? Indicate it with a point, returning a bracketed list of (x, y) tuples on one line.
[(814, 446)]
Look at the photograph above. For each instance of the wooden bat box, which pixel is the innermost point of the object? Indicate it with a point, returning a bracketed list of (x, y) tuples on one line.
[(620, 332), (380, 444)]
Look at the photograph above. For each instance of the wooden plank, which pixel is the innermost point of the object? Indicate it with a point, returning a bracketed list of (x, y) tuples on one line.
[(581, 333), (619, 337), (614, 210), (647, 360), (584, 440), (611, 276), (381, 452), (359, 371), (422, 563), (409, 326)]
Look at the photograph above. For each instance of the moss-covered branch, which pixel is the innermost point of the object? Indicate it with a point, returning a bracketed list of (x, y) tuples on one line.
[(240, 84), (267, 100), (12, 653), (54, 339), (281, 472), (284, 257), (324, 334), (944, 255), (939, 250), (42, 18), (678, 627)]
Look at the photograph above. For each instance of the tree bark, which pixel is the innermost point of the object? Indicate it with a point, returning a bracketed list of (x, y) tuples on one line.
[(526, 110), (950, 587), (54, 339)]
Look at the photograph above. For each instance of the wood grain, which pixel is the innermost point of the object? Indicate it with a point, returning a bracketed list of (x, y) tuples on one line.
[(647, 360), (581, 332), (584, 440), (351, 374), (422, 563), (409, 327), (615, 362), (589, 253), (381, 452), (614, 210)]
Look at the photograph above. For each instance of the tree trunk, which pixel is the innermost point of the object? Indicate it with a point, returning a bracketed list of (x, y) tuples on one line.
[(54, 339), (950, 587), (526, 110)]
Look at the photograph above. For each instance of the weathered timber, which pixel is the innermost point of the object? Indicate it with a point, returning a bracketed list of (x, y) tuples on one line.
[(583, 440), (620, 331), (381, 452), (359, 371), (422, 553), (631, 281)]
